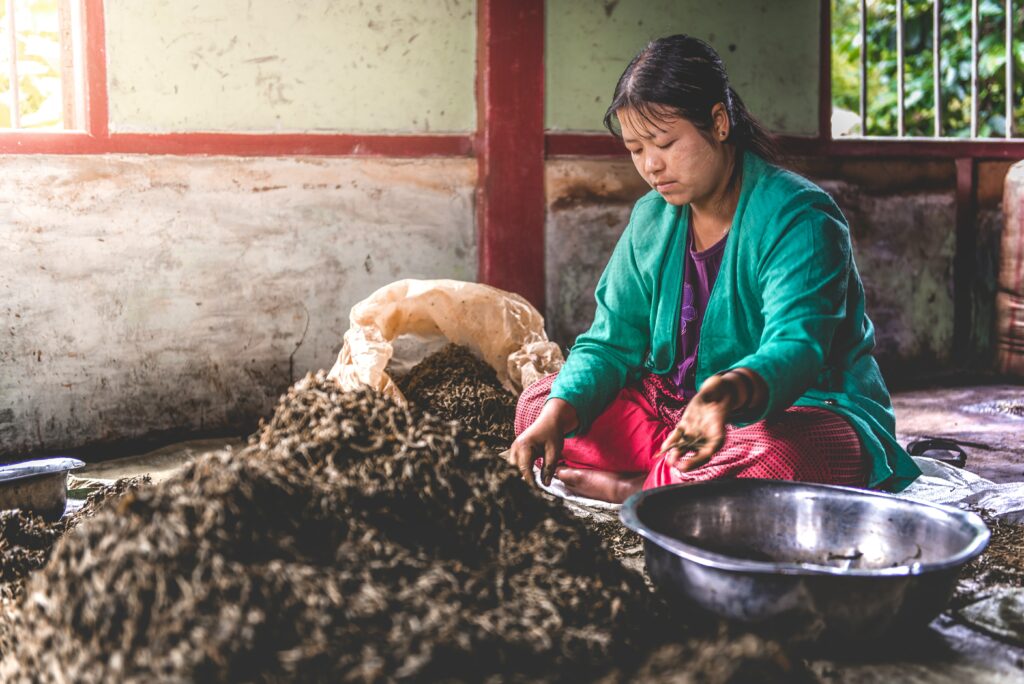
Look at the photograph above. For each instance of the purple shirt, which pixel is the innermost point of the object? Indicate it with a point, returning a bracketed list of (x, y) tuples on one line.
[(700, 270)]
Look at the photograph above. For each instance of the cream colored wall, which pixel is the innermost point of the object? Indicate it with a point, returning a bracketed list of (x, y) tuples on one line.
[(145, 294), (770, 48), (292, 65)]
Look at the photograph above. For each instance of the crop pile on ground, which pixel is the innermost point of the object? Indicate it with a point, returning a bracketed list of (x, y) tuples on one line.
[(1000, 565), (25, 543), (353, 539), (26, 539), (456, 385)]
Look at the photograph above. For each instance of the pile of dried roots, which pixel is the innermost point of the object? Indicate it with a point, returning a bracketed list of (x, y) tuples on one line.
[(26, 539), (456, 385), (353, 539), (1000, 566)]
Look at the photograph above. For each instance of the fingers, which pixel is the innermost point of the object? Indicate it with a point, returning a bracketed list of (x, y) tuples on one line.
[(522, 457), (674, 437), (550, 463), (672, 457), (709, 447), (692, 463), (714, 438)]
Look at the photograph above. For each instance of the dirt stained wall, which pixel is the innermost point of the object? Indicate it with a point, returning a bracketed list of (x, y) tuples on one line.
[(143, 294)]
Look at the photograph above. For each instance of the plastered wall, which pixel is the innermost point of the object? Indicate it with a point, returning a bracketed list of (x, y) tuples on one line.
[(145, 294), (298, 65), (770, 48)]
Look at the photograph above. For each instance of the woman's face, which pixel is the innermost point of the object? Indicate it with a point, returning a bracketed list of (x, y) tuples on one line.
[(674, 157)]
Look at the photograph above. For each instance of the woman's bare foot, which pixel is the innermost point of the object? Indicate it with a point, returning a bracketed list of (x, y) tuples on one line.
[(602, 485)]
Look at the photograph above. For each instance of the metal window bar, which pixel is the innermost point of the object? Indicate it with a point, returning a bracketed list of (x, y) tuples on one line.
[(974, 69), (67, 64), (937, 64), (1010, 62), (863, 67), (900, 104), (12, 70)]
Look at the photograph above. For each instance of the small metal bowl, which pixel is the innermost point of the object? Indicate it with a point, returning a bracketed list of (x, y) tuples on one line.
[(804, 561), (39, 486)]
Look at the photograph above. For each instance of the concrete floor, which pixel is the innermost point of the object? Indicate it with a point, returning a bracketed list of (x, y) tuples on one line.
[(159, 464), (959, 413), (948, 413), (944, 652)]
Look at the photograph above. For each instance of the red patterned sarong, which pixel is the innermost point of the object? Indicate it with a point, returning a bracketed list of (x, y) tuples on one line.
[(804, 444)]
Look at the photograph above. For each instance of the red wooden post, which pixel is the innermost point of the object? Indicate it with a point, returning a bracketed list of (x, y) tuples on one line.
[(96, 106), (510, 146), (965, 259), (825, 73)]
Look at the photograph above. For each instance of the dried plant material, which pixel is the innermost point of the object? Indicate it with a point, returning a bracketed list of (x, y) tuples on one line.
[(26, 539), (456, 385), (25, 542), (353, 539), (722, 659), (1000, 566)]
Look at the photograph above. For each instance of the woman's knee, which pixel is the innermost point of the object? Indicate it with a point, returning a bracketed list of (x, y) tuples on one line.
[(531, 402)]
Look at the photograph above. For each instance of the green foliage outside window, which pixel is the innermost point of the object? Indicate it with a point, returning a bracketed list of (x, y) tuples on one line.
[(955, 54), (39, 66)]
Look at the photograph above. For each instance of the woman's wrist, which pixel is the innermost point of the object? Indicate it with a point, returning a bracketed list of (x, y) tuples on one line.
[(561, 414), (745, 389)]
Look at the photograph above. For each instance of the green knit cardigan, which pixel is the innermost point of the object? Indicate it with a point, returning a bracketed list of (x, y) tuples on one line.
[(788, 303)]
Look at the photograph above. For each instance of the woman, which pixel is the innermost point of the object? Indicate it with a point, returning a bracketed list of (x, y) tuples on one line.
[(730, 318)]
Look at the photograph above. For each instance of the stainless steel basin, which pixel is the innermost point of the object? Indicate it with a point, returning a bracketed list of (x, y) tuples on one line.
[(39, 486), (805, 560)]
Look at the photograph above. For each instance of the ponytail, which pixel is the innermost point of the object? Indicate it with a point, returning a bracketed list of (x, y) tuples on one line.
[(684, 76), (746, 132)]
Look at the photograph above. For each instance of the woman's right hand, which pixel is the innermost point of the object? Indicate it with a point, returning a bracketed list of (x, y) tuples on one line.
[(544, 439)]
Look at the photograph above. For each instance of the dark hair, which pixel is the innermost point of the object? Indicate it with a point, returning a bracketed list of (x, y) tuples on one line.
[(683, 76)]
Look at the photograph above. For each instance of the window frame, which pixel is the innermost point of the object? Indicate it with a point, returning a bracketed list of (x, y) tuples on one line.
[(93, 95), (96, 137), (872, 146)]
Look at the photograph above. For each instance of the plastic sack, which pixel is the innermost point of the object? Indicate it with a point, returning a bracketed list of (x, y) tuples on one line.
[(400, 324), (942, 483)]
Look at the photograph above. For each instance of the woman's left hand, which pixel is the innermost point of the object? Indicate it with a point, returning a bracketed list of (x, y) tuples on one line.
[(703, 423)]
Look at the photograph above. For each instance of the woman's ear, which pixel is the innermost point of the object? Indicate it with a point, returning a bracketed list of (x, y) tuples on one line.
[(720, 122)]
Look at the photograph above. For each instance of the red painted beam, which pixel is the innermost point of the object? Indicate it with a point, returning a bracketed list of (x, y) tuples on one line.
[(238, 144), (903, 147), (604, 145), (510, 146), (583, 145)]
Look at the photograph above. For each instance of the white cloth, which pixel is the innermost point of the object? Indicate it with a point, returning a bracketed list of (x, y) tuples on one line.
[(940, 483)]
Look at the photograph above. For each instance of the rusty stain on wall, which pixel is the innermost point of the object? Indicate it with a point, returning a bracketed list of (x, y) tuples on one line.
[(152, 293)]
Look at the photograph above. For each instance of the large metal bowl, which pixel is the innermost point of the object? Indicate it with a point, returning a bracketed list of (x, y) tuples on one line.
[(805, 561), (39, 486)]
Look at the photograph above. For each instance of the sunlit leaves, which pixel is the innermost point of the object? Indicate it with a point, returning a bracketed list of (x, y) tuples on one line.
[(955, 71)]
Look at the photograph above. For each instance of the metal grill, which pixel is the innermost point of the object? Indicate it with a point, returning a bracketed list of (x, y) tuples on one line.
[(937, 70)]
